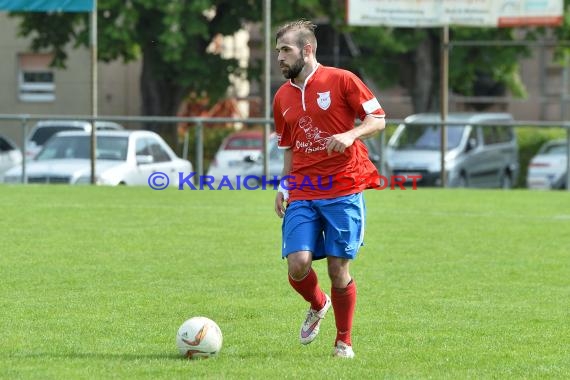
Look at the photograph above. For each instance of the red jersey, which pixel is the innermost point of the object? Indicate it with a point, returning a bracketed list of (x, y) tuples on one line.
[(305, 119)]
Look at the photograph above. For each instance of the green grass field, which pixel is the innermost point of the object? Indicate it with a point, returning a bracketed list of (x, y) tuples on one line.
[(453, 284)]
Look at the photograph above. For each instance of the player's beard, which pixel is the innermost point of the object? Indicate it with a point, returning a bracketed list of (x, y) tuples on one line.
[(292, 71)]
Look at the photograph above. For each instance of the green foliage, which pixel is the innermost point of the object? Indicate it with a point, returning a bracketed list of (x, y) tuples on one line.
[(170, 36), (387, 52), (563, 34), (213, 137), (530, 139), (383, 49), (499, 63)]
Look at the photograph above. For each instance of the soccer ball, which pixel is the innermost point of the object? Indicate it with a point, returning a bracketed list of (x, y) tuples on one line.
[(199, 337)]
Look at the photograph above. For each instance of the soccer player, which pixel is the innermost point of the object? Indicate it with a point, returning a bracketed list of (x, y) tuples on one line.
[(326, 168)]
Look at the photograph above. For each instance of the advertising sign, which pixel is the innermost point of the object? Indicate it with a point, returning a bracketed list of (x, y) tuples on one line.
[(435, 13)]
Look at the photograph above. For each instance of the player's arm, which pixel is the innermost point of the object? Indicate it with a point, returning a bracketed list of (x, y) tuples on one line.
[(282, 193), (371, 125)]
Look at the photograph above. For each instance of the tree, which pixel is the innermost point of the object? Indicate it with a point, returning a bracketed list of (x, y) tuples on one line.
[(171, 38), (411, 58)]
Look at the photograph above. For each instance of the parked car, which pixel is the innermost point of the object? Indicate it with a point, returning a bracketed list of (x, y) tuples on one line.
[(123, 158), (230, 157), (254, 163), (10, 154), (44, 129), (547, 169), (476, 155)]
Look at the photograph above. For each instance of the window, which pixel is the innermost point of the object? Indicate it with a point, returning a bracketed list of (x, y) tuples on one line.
[(151, 147), (422, 137), (35, 78), (489, 135), (143, 147), (504, 134), (5, 145), (43, 134), (158, 152)]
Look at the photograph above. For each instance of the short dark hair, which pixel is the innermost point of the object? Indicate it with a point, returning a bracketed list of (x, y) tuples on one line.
[(305, 35)]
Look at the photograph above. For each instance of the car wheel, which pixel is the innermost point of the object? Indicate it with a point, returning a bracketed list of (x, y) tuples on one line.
[(506, 181), (462, 182)]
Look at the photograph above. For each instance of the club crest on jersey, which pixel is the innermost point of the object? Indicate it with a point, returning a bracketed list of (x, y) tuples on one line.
[(324, 100)]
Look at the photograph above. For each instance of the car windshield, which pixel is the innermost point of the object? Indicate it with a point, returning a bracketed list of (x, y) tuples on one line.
[(428, 137), (43, 134), (69, 147), (244, 142), (555, 149)]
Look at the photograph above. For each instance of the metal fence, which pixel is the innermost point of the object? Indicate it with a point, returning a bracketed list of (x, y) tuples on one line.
[(197, 125)]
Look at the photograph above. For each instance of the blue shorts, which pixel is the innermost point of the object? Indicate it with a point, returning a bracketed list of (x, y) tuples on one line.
[(325, 227)]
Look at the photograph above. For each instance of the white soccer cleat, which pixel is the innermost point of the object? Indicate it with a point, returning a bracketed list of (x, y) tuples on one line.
[(343, 350), (311, 325)]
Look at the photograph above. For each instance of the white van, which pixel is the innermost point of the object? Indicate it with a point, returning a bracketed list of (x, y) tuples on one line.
[(476, 156)]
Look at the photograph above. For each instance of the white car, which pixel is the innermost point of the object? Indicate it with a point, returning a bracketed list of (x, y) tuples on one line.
[(547, 170), (123, 158), (44, 129), (10, 155), (230, 157)]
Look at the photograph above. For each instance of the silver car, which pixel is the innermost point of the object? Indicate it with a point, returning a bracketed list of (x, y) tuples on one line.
[(547, 170), (476, 156)]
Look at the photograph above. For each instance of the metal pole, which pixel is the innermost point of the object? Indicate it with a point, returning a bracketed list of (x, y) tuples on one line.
[(564, 103), (568, 157), (24, 150), (444, 96), (267, 84), (93, 89), (199, 133), (186, 142)]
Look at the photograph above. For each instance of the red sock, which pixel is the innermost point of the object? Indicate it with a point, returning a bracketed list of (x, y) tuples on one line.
[(309, 289), (343, 302)]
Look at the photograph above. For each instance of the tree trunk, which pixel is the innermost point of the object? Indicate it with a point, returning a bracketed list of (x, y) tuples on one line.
[(419, 76), (160, 97), (424, 91)]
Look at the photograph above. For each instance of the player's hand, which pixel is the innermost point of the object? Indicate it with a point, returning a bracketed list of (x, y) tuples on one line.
[(281, 199), (280, 205), (339, 143)]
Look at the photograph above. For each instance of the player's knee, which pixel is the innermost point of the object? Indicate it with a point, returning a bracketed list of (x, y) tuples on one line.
[(298, 271), (338, 271), (299, 266)]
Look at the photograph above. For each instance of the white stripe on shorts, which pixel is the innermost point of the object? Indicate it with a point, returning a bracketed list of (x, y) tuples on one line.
[(363, 221)]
